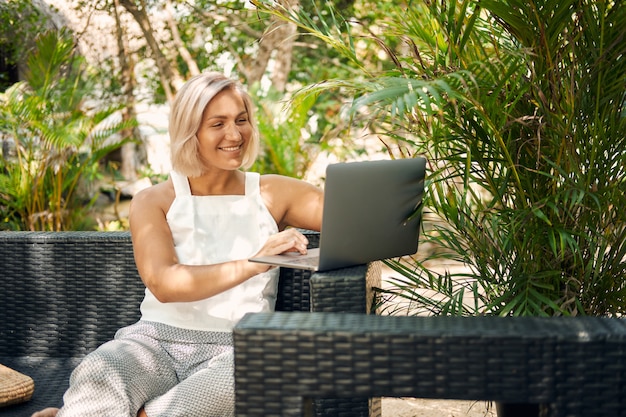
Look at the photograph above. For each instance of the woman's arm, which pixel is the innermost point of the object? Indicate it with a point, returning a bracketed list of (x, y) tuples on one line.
[(159, 266), (293, 202)]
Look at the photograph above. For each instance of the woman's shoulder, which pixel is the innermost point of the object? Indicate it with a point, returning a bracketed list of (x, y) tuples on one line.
[(292, 201), (278, 180), (281, 185), (160, 195)]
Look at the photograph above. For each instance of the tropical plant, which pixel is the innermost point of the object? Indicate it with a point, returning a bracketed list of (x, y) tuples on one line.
[(284, 149), (53, 139), (520, 108), (20, 21)]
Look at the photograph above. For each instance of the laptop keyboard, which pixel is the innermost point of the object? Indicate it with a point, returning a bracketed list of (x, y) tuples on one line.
[(305, 261)]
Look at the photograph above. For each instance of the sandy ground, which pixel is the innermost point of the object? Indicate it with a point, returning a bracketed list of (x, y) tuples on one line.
[(416, 407)]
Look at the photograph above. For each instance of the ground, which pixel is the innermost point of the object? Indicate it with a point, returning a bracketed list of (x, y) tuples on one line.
[(415, 407)]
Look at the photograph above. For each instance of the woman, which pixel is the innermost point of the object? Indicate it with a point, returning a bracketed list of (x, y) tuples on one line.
[(192, 236)]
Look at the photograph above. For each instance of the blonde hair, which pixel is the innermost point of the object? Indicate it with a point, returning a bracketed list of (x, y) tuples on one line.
[(186, 116)]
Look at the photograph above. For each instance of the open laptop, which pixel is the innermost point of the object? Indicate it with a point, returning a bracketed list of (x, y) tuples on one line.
[(372, 211)]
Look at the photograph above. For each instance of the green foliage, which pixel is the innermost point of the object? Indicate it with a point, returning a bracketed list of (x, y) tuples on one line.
[(283, 149), (53, 139), (20, 21), (519, 107)]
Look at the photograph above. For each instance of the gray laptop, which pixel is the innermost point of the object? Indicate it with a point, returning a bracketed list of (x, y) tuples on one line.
[(372, 211)]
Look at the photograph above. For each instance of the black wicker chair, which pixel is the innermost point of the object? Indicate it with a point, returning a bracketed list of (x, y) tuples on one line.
[(62, 294), (575, 366)]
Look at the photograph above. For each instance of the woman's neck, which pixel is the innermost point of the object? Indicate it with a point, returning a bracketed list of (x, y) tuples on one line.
[(223, 183)]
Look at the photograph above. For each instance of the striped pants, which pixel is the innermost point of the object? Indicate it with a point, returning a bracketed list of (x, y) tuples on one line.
[(167, 370)]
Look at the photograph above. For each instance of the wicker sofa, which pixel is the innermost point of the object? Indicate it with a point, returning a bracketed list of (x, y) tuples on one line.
[(64, 293)]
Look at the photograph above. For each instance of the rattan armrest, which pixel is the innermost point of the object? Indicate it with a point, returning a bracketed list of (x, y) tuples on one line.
[(345, 290)]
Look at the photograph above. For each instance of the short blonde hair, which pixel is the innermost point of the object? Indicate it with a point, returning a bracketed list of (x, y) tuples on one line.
[(186, 116)]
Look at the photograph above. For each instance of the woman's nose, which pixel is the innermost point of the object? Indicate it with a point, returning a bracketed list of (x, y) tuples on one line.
[(233, 131)]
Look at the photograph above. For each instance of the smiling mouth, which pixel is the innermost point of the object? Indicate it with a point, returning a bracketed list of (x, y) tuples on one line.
[(231, 148)]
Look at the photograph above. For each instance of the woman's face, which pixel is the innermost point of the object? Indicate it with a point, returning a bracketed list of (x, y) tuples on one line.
[(225, 131)]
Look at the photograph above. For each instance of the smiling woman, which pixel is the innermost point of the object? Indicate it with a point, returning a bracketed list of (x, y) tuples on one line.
[(192, 237), (225, 131), (201, 109)]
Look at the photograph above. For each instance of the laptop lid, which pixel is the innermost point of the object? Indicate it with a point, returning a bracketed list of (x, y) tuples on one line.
[(372, 211)]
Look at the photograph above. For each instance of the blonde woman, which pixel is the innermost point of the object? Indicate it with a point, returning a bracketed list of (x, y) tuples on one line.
[(192, 236)]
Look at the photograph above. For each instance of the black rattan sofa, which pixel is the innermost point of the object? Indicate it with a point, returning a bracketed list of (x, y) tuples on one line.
[(62, 294)]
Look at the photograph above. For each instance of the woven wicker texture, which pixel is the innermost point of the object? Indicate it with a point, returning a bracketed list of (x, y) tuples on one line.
[(345, 291), (293, 285), (15, 387), (575, 365), (62, 294)]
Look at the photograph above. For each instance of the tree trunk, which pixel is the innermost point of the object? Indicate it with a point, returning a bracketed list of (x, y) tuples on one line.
[(129, 158), (276, 43), (283, 56), (171, 79), (178, 42)]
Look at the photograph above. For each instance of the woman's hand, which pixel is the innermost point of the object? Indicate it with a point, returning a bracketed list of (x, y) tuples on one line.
[(290, 240)]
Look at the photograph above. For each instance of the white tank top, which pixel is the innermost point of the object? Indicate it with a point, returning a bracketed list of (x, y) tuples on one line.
[(210, 230)]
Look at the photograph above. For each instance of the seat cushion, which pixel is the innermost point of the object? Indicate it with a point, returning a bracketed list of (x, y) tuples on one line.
[(51, 376), (15, 387)]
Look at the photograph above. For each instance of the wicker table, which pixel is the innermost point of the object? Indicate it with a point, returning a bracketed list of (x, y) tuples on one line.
[(576, 366)]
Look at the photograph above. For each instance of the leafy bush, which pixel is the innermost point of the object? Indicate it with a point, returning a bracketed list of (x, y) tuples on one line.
[(283, 150), (520, 108), (53, 139)]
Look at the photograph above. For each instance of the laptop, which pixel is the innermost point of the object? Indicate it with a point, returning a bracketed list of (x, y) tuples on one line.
[(372, 211)]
